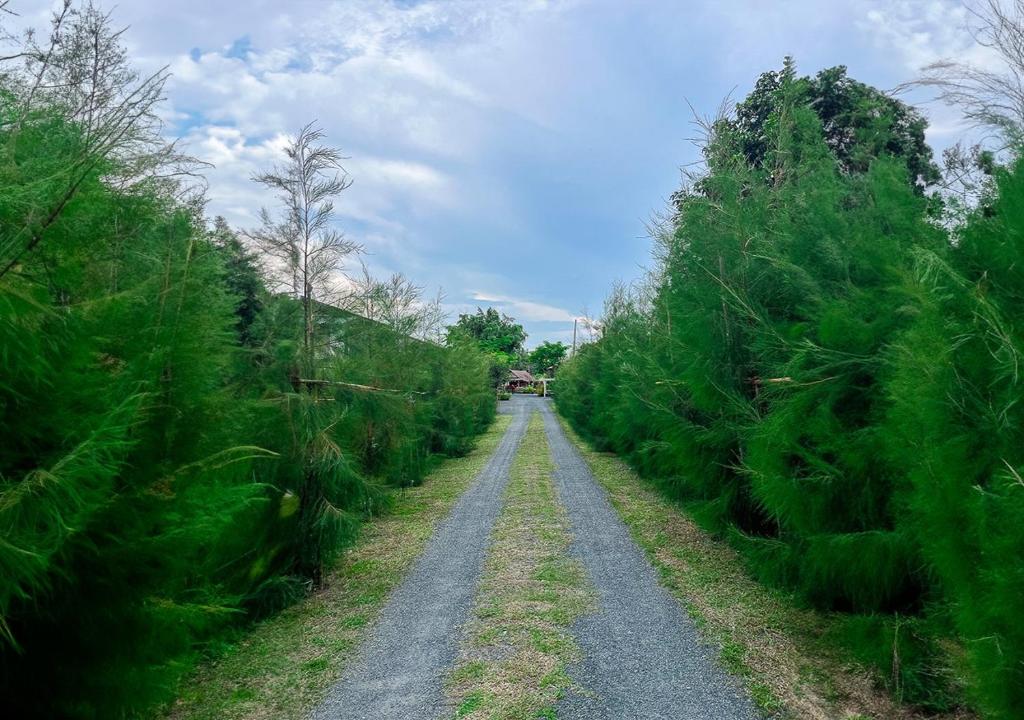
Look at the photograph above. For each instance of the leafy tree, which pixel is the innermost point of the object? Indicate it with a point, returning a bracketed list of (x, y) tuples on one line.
[(496, 334), (242, 277), (752, 375), (547, 357), (859, 122)]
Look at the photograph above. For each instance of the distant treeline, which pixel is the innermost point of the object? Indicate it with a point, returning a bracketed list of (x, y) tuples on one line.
[(181, 450), (826, 367)]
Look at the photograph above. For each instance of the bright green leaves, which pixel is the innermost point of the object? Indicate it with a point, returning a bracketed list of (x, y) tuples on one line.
[(821, 374)]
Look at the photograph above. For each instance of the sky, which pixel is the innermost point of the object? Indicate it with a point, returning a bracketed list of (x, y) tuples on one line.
[(507, 152)]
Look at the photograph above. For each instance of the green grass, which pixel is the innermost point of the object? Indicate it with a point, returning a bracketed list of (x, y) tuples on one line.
[(514, 656), (282, 667), (780, 650)]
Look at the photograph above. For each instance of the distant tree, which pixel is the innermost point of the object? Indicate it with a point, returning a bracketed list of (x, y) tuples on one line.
[(494, 331), (547, 357), (241, 276), (498, 335), (860, 122), (304, 253)]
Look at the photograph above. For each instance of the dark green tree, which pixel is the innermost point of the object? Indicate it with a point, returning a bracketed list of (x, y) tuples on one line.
[(859, 122), (547, 357), (495, 332), (241, 276), (750, 377), (498, 335)]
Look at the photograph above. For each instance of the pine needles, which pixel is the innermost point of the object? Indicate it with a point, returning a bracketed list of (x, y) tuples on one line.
[(164, 473), (828, 379)]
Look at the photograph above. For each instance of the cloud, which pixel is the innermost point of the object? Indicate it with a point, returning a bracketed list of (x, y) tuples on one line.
[(527, 310), (376, 71), (922, 32), (514, 145)]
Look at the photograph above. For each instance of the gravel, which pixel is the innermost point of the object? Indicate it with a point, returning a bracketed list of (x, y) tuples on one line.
[(398, 672), (642, 655)]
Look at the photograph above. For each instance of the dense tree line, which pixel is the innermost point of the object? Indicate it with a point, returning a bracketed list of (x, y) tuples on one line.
[(185, 446), (824, 367)]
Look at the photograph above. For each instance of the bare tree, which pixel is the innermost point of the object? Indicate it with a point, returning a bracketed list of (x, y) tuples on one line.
[(990, 98), (398, 303), (305, 254)]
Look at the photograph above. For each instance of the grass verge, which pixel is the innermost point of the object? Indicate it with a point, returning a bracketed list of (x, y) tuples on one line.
[(283, 667), (777, 647), (513, 660)]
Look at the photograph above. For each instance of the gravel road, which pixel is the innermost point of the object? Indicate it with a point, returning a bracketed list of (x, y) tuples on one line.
[(398, 672), (642, 656)]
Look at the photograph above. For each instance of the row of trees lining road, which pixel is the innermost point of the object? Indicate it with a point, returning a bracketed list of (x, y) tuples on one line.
[(824, 368), (195, 421)]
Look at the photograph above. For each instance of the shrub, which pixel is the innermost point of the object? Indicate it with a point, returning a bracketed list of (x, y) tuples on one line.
[(824, 378), (164, 474)]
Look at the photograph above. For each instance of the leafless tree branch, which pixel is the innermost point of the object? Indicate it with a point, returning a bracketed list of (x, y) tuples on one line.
[(304, 253), (992, 99)]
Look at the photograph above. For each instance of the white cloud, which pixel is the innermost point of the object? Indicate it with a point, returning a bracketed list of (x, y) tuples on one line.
[(925, 31), (527, 310), (476, 125)]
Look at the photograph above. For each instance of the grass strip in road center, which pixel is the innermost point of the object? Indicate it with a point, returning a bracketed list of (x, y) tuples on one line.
[(513, 660), (284, 666)]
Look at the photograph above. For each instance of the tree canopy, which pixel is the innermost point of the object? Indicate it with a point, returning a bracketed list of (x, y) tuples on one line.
[(829, 379), (547, 357), (494, 332), (859, 123), (498, 335)]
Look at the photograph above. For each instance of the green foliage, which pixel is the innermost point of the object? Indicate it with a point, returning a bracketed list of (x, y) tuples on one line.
[(859, 122), (118, 478), (494, 333), (164, 472), (241, 276), (956, 430), (821, 375), (546, 358)]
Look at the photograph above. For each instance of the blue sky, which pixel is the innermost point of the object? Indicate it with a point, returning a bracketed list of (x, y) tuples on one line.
[(507, 151)]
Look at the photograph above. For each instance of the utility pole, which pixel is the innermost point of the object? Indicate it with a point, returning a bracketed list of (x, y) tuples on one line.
[(574, 321)]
